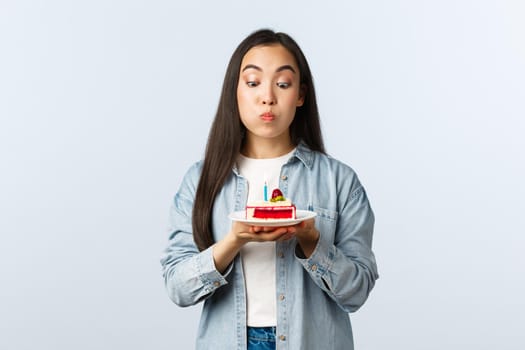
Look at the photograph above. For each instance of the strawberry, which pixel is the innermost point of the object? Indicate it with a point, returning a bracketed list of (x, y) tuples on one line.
[(277, 196), (276, 193)]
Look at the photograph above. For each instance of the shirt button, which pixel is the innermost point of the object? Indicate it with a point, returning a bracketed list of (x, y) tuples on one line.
[(284, 177), (281, 297), (217, 284), (281, 255), (282, 337), (314, 268)]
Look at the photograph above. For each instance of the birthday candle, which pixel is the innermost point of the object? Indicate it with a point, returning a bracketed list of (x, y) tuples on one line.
[(265, 191)]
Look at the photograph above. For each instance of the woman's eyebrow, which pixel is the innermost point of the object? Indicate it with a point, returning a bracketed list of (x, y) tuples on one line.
[(252, 66), (285, 67), (280, 69)]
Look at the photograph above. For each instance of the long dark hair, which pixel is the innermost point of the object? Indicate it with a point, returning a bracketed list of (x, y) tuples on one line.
[(226, 134)]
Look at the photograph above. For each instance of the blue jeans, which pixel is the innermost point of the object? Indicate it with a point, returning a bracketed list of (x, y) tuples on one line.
[(261, 338)]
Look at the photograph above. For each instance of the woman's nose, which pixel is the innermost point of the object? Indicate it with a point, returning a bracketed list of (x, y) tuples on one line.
[(268, 97)]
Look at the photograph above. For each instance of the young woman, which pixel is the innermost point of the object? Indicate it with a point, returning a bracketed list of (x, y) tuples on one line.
[(286, 287)]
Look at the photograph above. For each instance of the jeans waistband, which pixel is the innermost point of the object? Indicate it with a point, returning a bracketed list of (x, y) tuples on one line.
[(261, 333)]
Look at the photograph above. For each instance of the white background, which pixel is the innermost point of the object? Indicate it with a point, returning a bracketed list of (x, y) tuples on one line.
[(104, 105)]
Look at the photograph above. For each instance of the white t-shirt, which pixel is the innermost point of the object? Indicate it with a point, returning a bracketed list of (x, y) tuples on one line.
[(258, 258)]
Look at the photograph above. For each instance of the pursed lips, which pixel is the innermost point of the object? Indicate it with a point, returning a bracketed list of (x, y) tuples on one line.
[(268, 116)]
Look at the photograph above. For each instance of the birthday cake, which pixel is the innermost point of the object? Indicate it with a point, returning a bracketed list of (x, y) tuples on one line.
[(277, 208)]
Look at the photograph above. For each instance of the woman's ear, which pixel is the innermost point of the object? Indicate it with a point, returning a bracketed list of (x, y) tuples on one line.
[(302, 95)]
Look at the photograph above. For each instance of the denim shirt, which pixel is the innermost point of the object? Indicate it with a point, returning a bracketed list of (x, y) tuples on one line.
[(315, 294)]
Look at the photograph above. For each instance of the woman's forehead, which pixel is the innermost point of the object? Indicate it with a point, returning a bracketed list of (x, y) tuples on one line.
[(269, 57)]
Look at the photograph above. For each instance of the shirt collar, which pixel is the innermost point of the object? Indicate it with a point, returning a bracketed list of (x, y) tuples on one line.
[(302, 152)]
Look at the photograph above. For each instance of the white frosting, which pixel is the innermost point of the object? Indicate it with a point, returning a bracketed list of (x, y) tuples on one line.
[(286, 203)]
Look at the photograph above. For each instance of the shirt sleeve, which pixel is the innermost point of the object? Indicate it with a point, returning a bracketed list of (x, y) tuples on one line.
[(345, 268), (190, 276)]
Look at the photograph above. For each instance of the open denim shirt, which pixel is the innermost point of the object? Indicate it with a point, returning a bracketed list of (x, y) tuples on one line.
[(315, 294)]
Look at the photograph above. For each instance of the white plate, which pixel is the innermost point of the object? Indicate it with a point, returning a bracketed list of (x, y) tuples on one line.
[(301, 215)]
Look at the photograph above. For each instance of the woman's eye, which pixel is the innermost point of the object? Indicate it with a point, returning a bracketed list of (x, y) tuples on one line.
[(283, 85), (251, 83)]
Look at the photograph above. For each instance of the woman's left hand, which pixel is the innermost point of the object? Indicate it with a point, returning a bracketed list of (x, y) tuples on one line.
[(305, 232), (307, 235)]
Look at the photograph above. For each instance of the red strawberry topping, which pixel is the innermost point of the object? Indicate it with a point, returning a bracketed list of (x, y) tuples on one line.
[(276, 193)]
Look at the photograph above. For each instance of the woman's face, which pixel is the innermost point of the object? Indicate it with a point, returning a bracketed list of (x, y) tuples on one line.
[(269, 92)]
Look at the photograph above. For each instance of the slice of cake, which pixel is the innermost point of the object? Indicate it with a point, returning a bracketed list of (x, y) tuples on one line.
[(277, 208)]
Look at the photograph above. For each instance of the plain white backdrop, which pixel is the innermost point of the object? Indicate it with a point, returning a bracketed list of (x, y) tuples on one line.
[(105, 104)]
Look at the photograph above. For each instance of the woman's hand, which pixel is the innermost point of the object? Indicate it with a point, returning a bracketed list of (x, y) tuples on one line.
[(305, 232), (268, 233), (307, 236), (226, 249)]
